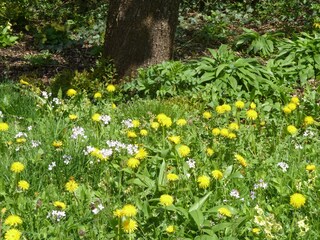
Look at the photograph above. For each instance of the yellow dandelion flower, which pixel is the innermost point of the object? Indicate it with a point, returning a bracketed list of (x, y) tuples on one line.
[(241, 160), (286, 109), (57, 143), (171, 177), (234, 126), (183, 150), (24, 82), (155, 125), (17, 167), (209, 152), (135, 123), (292, 129), (96, 117), (207, 115), (226, 107), (255, 230), (129, 210), (113, 106), (71, 92), (181, 122), (21, 140), (295, 100), (174, 139), (23, 185), (252, 114), (141, 154), (12, 234), (143, 132), (4, 127), (71, 186), (131, 134), (224, 132), (253, 105), (292, 106), (217, 174), (170, 229), (13, 220), (311, 167), (73, 117), (133, 163), (225, 212), (316, 24), (232, 135), (60, 205), (97, 95), (111, 88), (308, 120), (220, 109), (117, 213), (239, 104), (164, 120), (297, 200), (216, 131), (203, 181), (129, 226), (166, 200)]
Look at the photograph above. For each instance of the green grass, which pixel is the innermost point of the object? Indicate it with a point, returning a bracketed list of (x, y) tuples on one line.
[(255, 192)]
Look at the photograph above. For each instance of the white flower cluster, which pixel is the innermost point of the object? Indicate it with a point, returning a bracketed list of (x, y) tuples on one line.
[(56, 215), (1, 115), (35, 143), (51, 166), (118, 146), (21, 134), (78, 131), (191, 163), (105, 119), (66, 159), (97, 209), (45, 94), (128, 123), (284, 166), (260, 184)]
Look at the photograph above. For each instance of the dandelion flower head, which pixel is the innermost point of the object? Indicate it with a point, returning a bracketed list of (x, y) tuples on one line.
[(141, 154), (225, 212), (239, 104), (166, 200), (171, 177), (12, 234), (292, 129), (207, 115), (217, 174), (60, 205), (133, 163), (252, 114), (17, 167), (23, 185), (129, 210), (203, 181), (181, 122), (71, 185), (13, 220), (4, 127), (71, 92), (170, 229), (164, 120), (183, 150), (129, 226), (111, 88), (297, 200), (174, 139)]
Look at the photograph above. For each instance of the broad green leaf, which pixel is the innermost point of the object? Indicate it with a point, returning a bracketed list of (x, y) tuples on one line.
[(197, 205), (197, 216)]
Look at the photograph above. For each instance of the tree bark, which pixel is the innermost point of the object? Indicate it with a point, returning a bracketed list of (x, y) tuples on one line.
[(140, 33)]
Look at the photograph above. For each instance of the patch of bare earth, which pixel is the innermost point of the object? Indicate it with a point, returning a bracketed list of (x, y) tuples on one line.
[(14, 64)]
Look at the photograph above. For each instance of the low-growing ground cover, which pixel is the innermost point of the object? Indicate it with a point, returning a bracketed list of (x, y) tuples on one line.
[(81, 167)]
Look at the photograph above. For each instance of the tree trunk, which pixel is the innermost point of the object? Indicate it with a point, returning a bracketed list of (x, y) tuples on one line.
[(140, 33)]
